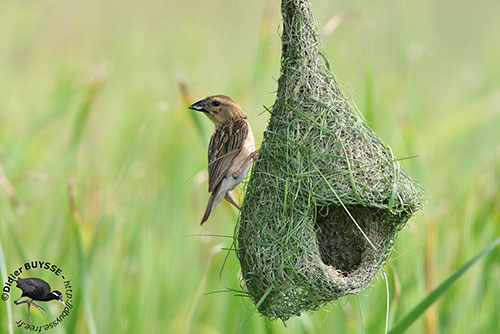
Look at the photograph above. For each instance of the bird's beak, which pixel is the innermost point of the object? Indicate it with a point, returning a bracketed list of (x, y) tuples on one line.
[(201, 105), (62, 302)]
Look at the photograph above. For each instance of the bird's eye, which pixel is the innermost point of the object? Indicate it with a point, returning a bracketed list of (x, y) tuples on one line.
[(215, 103)]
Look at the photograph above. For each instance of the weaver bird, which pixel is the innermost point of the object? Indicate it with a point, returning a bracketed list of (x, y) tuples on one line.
[(231, 148)]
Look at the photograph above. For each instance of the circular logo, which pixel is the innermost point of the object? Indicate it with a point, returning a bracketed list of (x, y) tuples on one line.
[(39, 285)]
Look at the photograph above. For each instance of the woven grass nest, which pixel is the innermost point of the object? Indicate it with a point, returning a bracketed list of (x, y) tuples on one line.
[(326, 196)]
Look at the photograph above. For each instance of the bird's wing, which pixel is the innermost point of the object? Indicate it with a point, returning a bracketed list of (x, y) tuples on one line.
[(33, 285), (26, 285), (225, 145)]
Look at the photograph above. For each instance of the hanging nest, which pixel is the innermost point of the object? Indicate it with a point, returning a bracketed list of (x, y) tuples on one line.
[(326, 196)]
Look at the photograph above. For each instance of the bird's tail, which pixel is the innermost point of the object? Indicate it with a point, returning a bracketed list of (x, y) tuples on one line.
[(209, 208), (211, 204)]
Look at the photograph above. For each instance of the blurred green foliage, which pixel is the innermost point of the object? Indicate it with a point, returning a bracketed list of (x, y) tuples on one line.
[(90, 110)]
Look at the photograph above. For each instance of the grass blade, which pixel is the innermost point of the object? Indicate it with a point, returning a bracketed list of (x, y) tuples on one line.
[(3, 275), (75, 221), (93, 88), (187, 100), (417, 311)]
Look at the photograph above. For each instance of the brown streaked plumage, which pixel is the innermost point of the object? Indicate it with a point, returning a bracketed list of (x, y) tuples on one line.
[(230, 151)]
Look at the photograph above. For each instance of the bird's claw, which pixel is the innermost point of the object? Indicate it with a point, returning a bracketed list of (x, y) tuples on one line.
[(250, 157), (230, 199), (38, 307)]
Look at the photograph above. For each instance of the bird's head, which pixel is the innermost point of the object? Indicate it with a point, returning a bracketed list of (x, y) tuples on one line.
[(219, 108), (57, 295)]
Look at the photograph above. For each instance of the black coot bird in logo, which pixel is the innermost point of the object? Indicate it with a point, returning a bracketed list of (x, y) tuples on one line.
[(36, 289)]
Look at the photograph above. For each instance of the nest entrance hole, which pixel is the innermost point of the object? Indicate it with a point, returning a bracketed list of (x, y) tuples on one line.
[(341, 244)]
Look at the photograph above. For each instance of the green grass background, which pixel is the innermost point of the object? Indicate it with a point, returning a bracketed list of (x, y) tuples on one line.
[(89, 97)]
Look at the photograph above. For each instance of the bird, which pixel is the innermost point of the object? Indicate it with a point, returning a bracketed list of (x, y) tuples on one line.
[(36, 289), (230, 151)]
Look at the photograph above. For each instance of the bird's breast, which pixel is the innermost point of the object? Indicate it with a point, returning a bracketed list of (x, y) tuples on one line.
[(247, 148)]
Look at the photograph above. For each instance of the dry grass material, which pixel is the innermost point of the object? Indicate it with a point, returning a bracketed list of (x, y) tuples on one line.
[(326, 195)]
